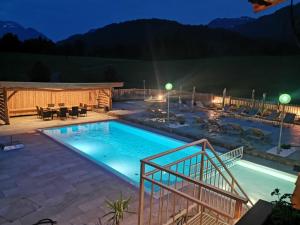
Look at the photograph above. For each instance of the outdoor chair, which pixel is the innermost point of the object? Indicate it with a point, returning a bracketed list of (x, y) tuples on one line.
[(61, 104), (74, 112), (46, 115), (83, 112), (63, 113), (289, 118), (51, 105), (38, 112)]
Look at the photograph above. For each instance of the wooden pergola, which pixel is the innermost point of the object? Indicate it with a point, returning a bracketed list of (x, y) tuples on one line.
[(21, 98)]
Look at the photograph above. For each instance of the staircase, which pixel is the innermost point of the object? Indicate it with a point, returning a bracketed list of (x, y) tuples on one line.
[(197, 189)]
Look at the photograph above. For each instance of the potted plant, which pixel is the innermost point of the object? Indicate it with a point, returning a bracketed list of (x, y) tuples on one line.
[(283, 212), (117, 209)]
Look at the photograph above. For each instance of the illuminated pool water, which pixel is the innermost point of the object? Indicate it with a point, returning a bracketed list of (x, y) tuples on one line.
[(120, 147)]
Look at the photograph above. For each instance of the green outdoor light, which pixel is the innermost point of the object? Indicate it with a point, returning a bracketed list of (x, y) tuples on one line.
[(168, 86), (285, 99)]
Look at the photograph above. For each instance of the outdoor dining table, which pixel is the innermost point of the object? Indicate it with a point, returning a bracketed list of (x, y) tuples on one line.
[(56, 109)]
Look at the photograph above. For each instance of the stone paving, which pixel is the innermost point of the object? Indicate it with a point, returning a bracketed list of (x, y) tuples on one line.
[(25, 124), (47, 180)]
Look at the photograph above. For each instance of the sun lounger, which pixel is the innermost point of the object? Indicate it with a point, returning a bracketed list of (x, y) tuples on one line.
[(252, 112), (241, 110), (289, 118), (274, 116), (227, 109), (256, 133), (180, 118), (232, 128)]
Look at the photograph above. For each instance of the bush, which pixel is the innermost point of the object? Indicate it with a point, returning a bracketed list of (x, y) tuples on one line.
[(283, 212)]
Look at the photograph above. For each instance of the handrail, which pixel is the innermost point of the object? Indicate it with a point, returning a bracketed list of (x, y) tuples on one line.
[(194, 179), (147, 161), (230, 174), (210, 187), (188, 197), (174, 163), (175, 150)]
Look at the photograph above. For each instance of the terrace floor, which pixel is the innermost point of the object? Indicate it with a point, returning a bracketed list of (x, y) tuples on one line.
[(46, 180), (24, 124)]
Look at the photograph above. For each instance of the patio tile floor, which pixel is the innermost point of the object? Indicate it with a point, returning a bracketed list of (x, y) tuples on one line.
[(47, 180)]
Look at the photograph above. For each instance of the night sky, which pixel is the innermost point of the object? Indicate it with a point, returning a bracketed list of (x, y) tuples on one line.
[(59, 19)]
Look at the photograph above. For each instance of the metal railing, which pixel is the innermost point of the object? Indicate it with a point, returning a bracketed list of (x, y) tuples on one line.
[(193, 189)]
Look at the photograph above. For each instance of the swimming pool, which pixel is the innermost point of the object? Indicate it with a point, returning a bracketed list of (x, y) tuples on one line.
[(120, 147)]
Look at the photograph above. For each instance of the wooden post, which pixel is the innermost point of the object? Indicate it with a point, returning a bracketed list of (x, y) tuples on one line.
[(6, 111), (142, 195), (238, 210), (110, 98), (201, 174)]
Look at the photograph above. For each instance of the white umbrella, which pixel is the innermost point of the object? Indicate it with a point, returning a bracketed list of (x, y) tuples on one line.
[(224, 96), (263, 102), (193, 96), (179, 97), (253, 97)]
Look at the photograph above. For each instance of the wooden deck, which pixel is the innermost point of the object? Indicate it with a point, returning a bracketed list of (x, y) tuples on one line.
[(47, 180)]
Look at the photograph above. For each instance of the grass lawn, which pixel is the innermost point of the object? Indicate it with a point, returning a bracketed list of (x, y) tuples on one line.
[(271, 74)]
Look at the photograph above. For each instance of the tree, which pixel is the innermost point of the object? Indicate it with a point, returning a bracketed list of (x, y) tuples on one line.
[(39, 73), (38, 45), (9, 43)]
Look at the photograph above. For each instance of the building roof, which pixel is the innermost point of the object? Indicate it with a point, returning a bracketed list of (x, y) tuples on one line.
[(57, 86)]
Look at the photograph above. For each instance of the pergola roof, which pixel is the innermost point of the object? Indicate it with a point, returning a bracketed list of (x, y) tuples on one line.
[(57, 86)]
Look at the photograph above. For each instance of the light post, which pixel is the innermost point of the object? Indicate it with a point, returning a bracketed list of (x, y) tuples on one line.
[(284, 99), (168, 87)]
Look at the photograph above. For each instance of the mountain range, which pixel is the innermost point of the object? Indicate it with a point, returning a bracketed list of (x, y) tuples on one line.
[(156, 38), (17, 29), (276, 26), (230, 23)]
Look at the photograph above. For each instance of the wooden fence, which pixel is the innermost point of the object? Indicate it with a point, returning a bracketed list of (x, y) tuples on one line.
[(24, 102), (204, 98), (257, 104)]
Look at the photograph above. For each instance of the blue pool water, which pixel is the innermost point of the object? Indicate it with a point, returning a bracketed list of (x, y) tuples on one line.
[(120, 147)]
